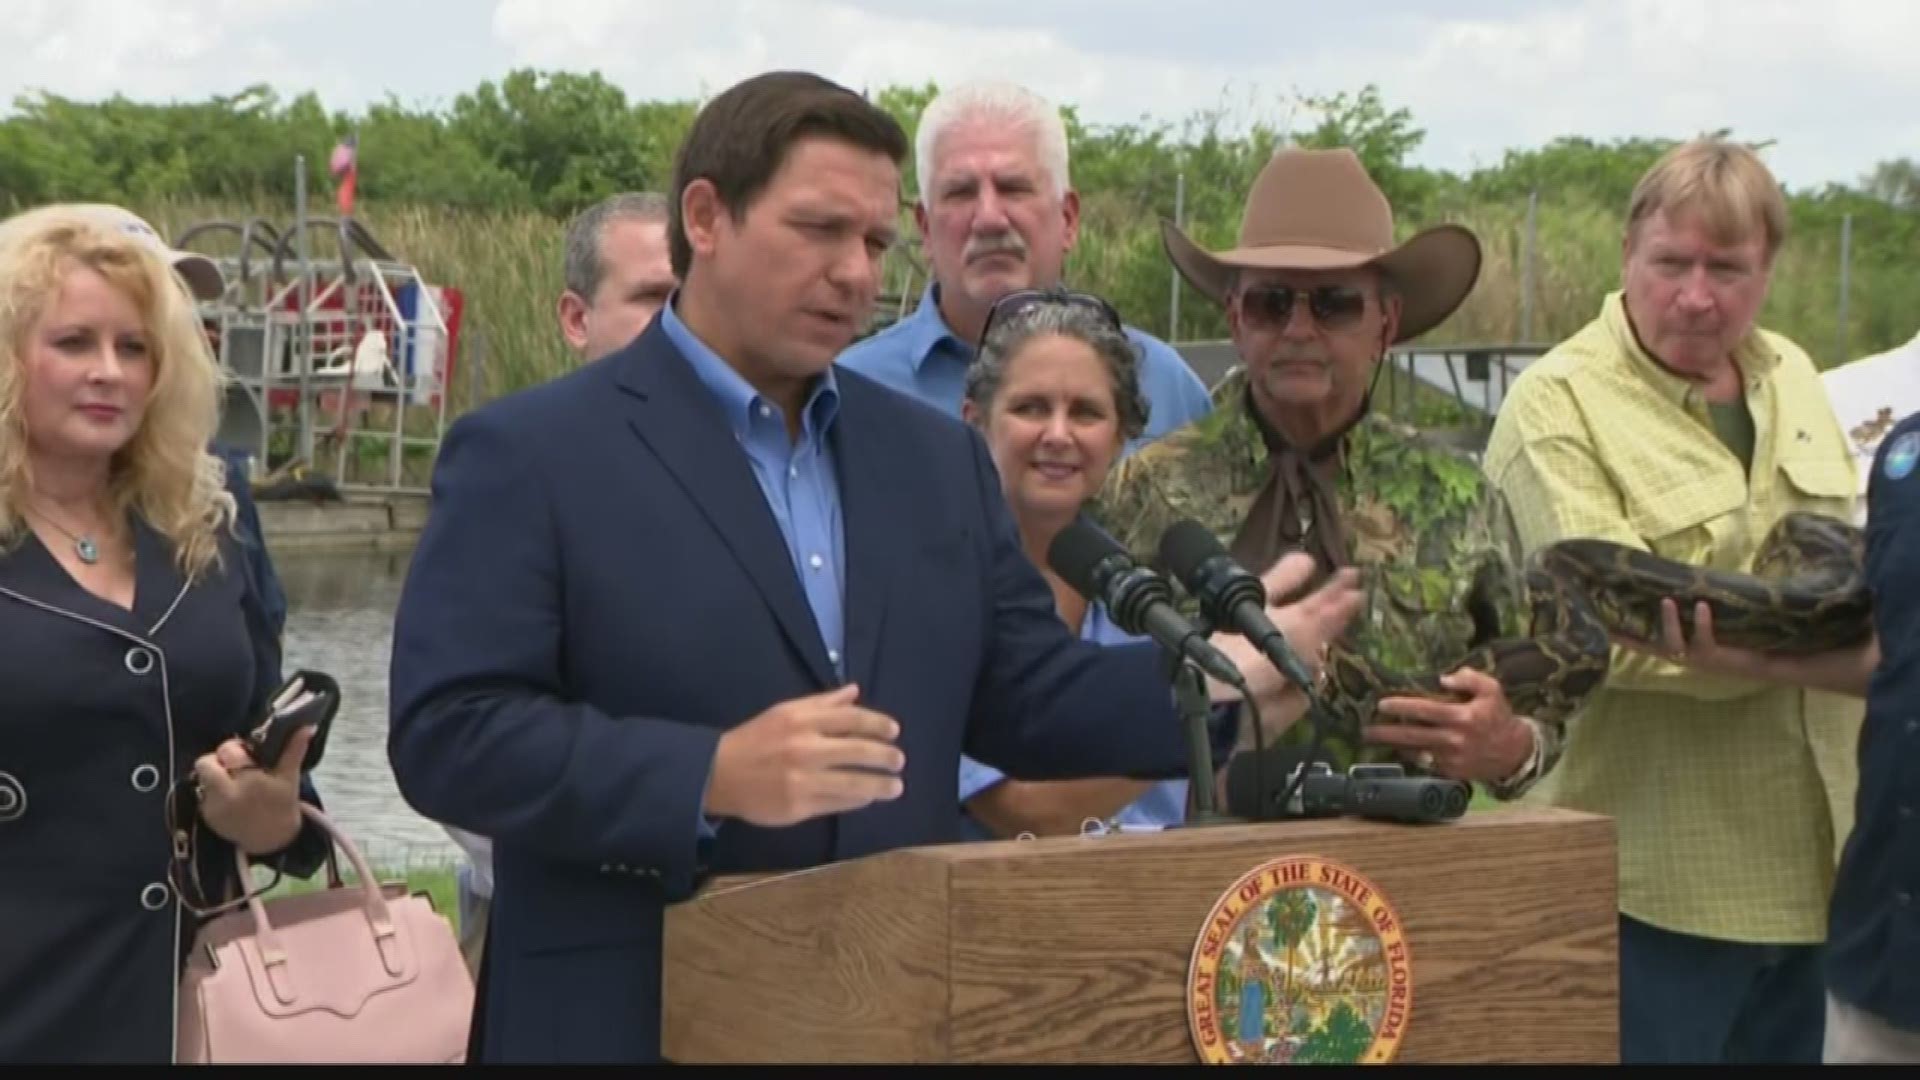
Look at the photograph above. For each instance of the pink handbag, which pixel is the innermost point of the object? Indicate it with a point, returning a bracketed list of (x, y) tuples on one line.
[(346, 974)]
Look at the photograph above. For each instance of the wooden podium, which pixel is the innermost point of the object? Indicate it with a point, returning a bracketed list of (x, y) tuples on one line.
[(1081, 949)]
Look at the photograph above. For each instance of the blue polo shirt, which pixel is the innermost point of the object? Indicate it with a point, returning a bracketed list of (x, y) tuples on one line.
[(922, 357), (1873, 938)]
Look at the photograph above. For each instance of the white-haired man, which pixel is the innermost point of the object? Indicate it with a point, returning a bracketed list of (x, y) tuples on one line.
[(997, 213)]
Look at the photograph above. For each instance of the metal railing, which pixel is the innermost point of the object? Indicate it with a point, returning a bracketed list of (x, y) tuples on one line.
[(335, 358)]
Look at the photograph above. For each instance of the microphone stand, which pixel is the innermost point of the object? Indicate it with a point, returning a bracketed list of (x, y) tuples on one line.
[(1190, 696), (1318, 720)]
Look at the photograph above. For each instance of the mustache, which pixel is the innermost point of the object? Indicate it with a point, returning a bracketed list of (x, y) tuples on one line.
[(1007, 243), (1314, 356)]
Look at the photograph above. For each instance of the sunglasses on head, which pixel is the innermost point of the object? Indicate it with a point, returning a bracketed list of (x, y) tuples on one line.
[(1022, 301), (1334, 307)]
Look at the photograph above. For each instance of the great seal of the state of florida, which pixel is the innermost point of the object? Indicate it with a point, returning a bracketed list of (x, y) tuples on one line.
[(1301, 961)]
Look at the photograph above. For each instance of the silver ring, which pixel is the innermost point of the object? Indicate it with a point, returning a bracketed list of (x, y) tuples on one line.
[(1424, 759)]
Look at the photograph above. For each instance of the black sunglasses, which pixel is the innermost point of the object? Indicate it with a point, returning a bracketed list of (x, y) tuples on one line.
[(1335, 307), (1024, 300)]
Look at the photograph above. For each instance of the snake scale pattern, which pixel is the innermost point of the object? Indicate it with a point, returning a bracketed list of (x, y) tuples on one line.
[(1807, 593)]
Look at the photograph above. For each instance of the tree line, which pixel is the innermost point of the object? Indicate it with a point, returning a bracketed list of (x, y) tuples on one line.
[(541, 145)]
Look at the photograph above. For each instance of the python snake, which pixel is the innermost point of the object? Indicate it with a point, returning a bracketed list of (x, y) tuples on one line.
[(1807, 594)]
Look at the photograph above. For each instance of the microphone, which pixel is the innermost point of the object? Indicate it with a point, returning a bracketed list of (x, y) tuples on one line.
[(1137, 599), (1228, 595)]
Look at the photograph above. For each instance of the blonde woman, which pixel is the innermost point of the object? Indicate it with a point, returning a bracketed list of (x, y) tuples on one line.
[(135, 647)]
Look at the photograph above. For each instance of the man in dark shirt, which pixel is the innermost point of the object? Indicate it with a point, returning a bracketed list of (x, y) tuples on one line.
[(1873, 966), (253, 536)]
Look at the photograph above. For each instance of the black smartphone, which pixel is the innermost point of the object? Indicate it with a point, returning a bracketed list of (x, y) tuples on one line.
[(308, 699)]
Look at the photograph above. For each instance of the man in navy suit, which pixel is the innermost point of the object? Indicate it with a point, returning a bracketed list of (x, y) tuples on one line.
[(708, 605)]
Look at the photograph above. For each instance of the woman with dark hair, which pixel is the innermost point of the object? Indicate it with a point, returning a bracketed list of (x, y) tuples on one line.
[(1055, 391)]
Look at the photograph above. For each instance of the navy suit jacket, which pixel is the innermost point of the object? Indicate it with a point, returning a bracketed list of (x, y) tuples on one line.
[(601, 591), (266, 582)]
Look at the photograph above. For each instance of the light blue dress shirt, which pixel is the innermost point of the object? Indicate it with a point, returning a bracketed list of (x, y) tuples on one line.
[(922, 357), (1163, 804), (797, 477)]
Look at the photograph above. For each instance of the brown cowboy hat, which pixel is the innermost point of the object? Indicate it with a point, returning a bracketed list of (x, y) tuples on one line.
[(1319, 210)]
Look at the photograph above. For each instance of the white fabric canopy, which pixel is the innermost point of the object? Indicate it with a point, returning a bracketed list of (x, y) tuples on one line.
[(1872, 394)]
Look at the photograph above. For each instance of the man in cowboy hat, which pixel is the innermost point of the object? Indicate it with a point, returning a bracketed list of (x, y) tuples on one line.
[(1292, 456)]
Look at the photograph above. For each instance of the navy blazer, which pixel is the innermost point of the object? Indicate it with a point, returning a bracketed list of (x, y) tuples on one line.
[(103, 711), (601, 591), (253, 537)]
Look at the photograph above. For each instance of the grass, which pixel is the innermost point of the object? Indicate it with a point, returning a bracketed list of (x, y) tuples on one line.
[(437, 882), (507, 265)]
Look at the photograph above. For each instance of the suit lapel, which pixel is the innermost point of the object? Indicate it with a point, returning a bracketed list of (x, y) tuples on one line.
[(871, 525), (158, 583), (31, 571), (675, 415)]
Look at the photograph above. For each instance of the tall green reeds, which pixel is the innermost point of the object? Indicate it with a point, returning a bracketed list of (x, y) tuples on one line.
[(507, 265)]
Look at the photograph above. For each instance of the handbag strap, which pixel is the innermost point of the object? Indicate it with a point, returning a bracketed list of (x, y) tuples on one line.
[(273, 952)]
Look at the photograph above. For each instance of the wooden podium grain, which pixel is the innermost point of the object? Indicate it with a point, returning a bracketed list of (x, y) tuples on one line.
[(1077, 949)]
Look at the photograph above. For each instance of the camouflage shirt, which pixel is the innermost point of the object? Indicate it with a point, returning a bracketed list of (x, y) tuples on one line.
[(1423, 527)]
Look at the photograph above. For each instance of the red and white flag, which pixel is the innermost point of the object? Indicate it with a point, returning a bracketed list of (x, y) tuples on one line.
[(345, 167)]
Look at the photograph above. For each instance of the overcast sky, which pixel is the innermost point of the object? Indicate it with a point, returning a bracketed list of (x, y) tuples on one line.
[(1833, 81)]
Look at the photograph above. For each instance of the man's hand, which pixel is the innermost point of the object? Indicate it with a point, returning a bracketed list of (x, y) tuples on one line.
[(1314, 622), (1477, 739), (806, 758), (1844, 671), (1308, 624)]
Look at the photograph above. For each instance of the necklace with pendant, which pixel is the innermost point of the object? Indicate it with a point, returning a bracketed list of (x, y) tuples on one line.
[(83, 545)]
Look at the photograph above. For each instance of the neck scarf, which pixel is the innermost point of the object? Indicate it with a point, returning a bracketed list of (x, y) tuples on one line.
[(1296, 506)]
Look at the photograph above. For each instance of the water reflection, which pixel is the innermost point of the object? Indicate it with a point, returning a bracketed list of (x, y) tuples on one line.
[(340, 620)]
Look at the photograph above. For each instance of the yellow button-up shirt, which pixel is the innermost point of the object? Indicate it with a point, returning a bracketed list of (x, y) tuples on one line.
[(1732, 798)]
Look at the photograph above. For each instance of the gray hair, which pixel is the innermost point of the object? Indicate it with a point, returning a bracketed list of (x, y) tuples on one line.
[(584, 267), (1008, 103), (988, 372)]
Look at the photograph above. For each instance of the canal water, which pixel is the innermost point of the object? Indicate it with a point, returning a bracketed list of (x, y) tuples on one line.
[(340, 620)]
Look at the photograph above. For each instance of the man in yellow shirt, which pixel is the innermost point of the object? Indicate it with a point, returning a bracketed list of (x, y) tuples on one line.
[(1673, 424)]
